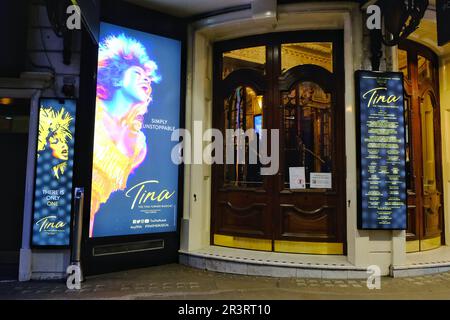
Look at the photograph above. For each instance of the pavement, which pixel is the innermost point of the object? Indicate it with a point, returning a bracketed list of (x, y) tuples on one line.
[(178, 282)]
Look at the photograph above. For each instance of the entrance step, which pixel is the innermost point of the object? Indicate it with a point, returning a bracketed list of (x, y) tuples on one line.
[(272, 264), (424, 263)]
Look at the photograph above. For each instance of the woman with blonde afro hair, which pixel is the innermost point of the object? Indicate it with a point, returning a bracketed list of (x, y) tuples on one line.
[(54, 133), (124, 87)]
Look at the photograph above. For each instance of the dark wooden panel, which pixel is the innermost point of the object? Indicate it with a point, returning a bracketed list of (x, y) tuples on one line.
[(432, 211), (314, 225), (425, 220), (411, 232), (247, 221), (316, 214)]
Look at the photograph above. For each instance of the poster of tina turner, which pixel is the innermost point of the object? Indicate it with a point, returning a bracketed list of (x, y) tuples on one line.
[(134, 181)]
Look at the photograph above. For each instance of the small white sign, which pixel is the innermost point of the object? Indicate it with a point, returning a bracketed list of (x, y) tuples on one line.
[(297, 178), (320, 180)]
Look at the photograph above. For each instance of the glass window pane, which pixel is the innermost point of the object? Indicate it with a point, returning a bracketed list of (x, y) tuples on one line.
[(425, 69), (409, 151), (247, 58), (244, 110), (428, 151), (316, 53), (308, 125), (403, 63)]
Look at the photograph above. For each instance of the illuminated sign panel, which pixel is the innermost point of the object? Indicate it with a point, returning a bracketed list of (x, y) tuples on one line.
[(134, 182), (382, 160), (53, 178)]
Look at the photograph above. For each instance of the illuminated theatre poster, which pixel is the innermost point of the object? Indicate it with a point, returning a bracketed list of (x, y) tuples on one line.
[(382, 156), (134, 182), (53, 179)]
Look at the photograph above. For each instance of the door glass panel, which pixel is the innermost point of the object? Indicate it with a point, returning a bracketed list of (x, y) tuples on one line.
[(244, 110), (425, 69), (316, 53), (247, 58), (428, 151), (403, 63), (308, 127)]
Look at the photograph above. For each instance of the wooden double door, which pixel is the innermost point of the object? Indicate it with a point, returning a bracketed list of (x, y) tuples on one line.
[(293, 83), (424, 175)]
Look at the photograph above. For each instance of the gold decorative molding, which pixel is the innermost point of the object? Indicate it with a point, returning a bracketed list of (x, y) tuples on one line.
[(423, 245), (243, 243), (412, 246), (309, 247), (430, 244), (294, 54), (253, 54), (320, 54), (325, 248)]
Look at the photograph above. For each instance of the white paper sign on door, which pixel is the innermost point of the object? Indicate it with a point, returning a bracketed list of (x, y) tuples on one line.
[(297, 178), (320, 180)]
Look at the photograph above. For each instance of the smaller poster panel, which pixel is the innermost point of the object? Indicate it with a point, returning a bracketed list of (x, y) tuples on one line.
[(53, 175)]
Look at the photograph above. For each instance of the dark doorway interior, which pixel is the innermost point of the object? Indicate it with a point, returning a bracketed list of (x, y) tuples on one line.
[(14, 120)]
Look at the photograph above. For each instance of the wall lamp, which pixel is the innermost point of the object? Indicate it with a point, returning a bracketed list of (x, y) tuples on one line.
[(400, 18)]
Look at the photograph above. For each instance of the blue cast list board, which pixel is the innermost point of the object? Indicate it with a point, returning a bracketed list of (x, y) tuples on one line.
[(382, 199)]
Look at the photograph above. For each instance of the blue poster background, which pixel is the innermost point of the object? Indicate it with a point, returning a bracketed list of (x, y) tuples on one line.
[(53, 180), (382, 197), (116, 217)]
